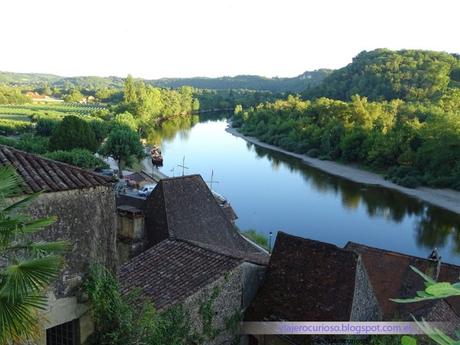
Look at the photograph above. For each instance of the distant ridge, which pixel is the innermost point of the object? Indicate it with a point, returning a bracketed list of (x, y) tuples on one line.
[(251, 82)]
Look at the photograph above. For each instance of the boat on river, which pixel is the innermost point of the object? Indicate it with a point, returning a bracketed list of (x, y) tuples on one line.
[(157, 158)]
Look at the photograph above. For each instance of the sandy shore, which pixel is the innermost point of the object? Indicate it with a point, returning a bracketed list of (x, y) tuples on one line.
[(445, 198)]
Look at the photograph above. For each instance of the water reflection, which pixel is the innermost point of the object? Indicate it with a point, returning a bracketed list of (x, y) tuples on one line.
[(271, 191), (433, 226)]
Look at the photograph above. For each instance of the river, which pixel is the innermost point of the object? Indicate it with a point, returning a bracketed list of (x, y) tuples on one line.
[(270, 192)]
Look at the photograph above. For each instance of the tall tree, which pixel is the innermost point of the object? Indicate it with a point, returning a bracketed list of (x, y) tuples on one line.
[(28, 267), (73, 133), (123, 145)]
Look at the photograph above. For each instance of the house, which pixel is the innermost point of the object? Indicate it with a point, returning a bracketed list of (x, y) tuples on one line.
[(184, 208), (391, 277), (308, 280), (38, 98), (84, 204), (189, 250), (179, 272)]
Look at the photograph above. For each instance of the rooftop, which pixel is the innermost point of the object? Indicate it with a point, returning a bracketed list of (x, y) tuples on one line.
[(173, 270), (42, 174), (306, 280), (391, 277), (185, 208)]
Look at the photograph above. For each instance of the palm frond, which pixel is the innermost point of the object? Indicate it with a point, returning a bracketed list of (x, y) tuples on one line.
[(42, 248), (9, 181), (18, 319), (37, 225), (21, 204), (29, 276)]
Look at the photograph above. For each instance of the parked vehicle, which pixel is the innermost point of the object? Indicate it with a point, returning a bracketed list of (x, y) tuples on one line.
[(146, 190)]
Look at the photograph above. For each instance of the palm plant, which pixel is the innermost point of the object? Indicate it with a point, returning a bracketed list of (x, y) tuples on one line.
[(26, 267)]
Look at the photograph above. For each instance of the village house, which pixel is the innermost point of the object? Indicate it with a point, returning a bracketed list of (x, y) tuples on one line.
[(84, 204), (38, 98), (308, 280), (391, 277), (190, 250), (181, 208), (190, 274)]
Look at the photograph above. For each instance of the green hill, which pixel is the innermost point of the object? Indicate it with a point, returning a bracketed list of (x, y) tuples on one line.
[(384, 74)]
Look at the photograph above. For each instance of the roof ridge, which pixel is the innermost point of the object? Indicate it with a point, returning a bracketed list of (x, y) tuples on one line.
[(395, 253), (208, 248)]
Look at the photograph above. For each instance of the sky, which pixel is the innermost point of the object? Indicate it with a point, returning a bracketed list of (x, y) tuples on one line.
[(187, 38)]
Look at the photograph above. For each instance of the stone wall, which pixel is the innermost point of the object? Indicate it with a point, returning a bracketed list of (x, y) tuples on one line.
[(365, 306), (227, 304), (87, 219)]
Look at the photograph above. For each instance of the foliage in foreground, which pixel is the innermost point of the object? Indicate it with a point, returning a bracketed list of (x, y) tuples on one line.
[(433, 290), (78, 157), (30, 267), (127, 320)]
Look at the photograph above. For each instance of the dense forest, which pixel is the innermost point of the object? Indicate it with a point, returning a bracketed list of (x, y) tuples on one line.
[(383, 74), (407, 126)]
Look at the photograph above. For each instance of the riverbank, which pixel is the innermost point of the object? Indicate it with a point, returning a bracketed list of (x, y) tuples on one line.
[(444, 198)]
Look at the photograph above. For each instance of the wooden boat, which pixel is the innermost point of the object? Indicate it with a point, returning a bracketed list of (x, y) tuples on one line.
[(157, 158)]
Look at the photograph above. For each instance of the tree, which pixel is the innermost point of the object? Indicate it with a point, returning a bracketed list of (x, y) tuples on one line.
[(123, 144), (72, 133), (30, 267), (74, 96)]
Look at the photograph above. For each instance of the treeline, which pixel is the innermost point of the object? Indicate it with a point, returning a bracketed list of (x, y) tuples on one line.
[(229, 99), (12, 95), (94, 83), (149, 104), (412, 143), (383, 74)]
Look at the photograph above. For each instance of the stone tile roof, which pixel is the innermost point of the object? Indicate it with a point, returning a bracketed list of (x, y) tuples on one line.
[(184, 208), (172, 270), (391, 277), (306, 280), (42, 174)]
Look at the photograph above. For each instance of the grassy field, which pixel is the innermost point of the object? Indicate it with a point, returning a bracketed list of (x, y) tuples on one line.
[(19, 118)]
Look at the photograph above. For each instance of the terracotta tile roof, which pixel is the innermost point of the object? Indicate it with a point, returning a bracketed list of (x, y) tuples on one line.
[(306, 280), (184, 208), (391, 277), (173, 270), (42, 174)]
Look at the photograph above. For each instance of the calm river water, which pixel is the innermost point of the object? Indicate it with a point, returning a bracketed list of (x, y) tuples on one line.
[(270, 192)]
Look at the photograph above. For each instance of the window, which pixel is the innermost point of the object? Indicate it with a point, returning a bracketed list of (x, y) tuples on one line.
[(63, 334)]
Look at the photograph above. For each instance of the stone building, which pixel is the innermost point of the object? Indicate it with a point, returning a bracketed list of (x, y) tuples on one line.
[(178, 208), (178, 272), (391, 277), (190, 250), (85, 208), (309, 280)]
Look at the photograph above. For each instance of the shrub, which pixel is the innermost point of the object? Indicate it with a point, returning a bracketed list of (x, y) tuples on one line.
[(72, 133), (46, 127), (33, 143), (257, 237), (78, 157), (314, 153)]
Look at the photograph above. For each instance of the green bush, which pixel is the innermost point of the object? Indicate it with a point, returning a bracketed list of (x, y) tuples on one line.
[(78, 157), (257, 237), (314, 153), (33, 143), (72, 133), (46, 127)]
